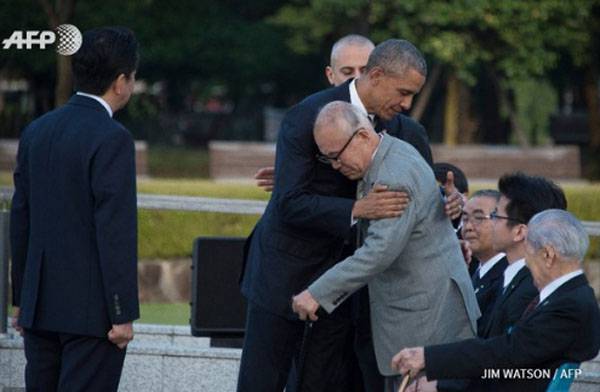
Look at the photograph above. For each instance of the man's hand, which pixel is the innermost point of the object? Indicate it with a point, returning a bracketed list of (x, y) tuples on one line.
[(305, 305), (121, 334), (454, 199), (380, 203), (409, 360), (467, 253), (15, 320), (265, 178)]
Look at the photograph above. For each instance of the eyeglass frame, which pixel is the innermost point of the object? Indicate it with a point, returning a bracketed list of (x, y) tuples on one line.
[(329, 160), (476, 219), (494, 216)]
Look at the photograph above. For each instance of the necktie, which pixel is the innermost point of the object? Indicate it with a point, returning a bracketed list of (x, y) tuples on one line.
[(531, 307), (475, 278)]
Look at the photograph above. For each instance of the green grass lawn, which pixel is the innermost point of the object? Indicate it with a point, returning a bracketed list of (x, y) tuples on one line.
[(165, 313)]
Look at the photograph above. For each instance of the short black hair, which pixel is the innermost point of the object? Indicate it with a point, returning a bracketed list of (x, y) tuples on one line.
[(529, 195), (441, 169), (105, 53), (397, 56)]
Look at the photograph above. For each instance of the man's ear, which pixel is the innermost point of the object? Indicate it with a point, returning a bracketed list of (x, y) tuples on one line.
[(549, 255), (375, 75), (329, 74), (120, 83), (520, 233)]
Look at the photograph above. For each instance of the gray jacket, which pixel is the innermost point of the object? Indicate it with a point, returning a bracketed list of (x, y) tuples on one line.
[(420, 290)]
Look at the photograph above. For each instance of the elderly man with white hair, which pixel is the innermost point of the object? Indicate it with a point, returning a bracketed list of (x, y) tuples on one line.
[(560, 326)]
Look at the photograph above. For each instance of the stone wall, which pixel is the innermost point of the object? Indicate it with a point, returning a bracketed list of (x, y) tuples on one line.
[(240, 160), (8, 155)]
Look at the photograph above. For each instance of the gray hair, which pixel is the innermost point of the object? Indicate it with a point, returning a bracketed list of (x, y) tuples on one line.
[(491, 193), (349, 40), (561, 230), (342, 116), (397, 56)]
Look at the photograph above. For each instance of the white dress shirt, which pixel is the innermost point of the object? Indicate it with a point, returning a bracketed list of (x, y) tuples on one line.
[(99, 99), (484, 268), (512, 270), (556, 283)]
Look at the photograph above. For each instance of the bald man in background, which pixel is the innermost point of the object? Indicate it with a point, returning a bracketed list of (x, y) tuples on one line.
[(348, 60)]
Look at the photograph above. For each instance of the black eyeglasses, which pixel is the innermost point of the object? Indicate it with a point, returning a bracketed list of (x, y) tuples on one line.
[(328, 160), (494, 215)]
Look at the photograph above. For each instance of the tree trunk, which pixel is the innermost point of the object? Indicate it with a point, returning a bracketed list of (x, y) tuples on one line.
[(451, 110), (592, 102), (425, 95), (61, 13), (64, 82)]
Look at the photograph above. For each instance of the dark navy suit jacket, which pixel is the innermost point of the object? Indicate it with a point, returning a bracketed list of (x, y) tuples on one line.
[(302, 232), (486, 290), (509, 306), (74, 222), (562, 328)]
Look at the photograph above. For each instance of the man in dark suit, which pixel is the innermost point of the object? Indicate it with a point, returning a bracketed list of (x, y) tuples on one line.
[(74, 226), (477, 230), (309, 217), (522, 197), (559, 326)]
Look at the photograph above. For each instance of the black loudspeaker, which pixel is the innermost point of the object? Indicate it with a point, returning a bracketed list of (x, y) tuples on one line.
[(218, 307)]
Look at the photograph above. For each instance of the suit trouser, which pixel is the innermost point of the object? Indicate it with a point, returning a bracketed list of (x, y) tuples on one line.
[(369, 377), (272, 346), (66, 362)]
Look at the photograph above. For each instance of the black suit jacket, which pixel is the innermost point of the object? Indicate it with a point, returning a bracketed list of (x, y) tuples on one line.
[(308, 218), (74, 222), (510, 306), (563, 328), (486, 290)]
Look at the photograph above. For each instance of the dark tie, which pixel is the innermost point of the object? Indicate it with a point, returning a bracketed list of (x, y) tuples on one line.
[(360, 193), (476, 279), (531, 307), (377, 125)]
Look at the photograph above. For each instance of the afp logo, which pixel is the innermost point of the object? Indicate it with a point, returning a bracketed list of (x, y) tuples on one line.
[(69, 39)]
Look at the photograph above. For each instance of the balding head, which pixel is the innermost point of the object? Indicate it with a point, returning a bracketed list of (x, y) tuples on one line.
[(349, 56), (346, 138)]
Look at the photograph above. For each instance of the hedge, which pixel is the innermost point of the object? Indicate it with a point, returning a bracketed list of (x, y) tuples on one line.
[(169, 234)]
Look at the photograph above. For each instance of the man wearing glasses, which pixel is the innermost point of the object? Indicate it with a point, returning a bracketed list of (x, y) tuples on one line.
[(309, 217), (522, 197), (419, 287), (478, 231), (557, 331)]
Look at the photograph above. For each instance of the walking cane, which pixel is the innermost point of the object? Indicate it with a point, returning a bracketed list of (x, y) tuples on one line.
[(404, 383), (308, 326)]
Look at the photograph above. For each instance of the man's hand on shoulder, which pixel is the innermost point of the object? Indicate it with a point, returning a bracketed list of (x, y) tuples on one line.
[(121, 334), (380, 203), (265, 178)]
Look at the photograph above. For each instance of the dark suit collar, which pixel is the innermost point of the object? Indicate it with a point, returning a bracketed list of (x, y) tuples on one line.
[(80, 100), (562, 290), (342, 92), (573, 283), (523, 274), (497, 270)]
